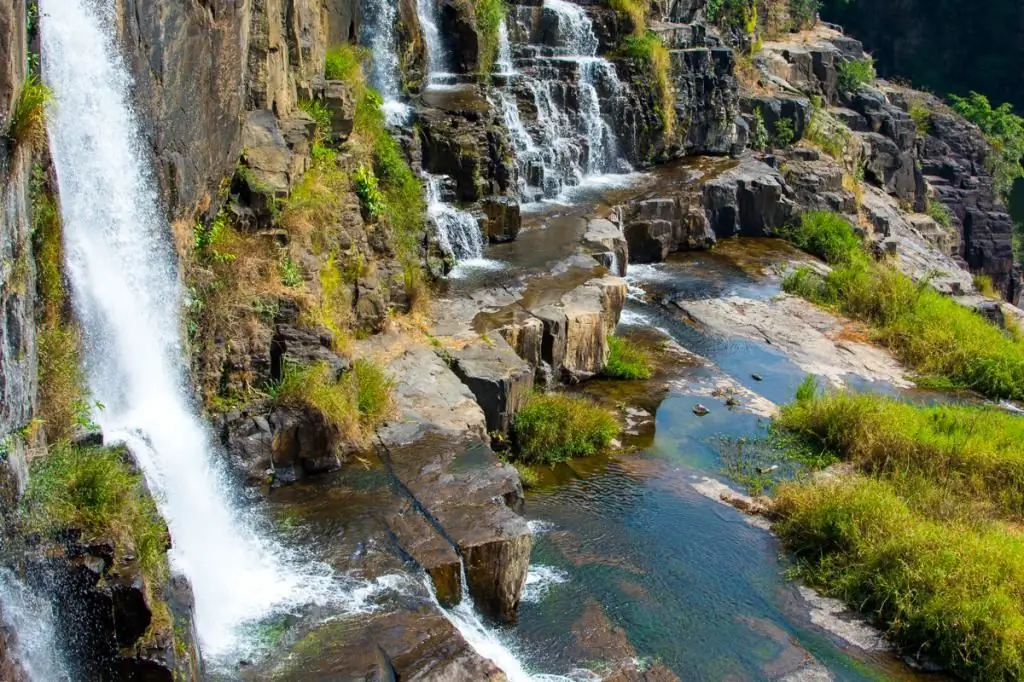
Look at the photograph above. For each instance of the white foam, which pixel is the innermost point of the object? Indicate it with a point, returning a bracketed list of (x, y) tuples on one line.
[(539, 581)]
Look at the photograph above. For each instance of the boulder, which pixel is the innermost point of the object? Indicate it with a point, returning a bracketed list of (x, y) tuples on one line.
[(500, 379), (502, 219), (342, 106), (889, 167), (612, 249), (750, 200), (656, 227)]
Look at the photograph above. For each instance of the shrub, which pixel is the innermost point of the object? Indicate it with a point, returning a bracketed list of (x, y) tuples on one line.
[(1004, 131), (760, 139), (28, 116), (921, 115), (97, 491), (555, 427), (627, 360), (826, 235), (855, 73), (368, 190), (733, 14), (344, 63), (784, 133), (803, 13), (374, 393), (489, 15), (947, 589), (985, 287), (940, 214)]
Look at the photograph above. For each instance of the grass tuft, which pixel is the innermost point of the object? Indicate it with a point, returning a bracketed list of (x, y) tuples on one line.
[(636, 10), (627, 360), (826, 235), (855, 74), (554, 427), (28, 117), (648, 49), (489, 15)]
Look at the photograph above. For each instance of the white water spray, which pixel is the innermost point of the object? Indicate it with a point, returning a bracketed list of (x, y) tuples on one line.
[(30, 617), (504, 66), (127, 297), (438, 75), (457, 230), (378, 32)]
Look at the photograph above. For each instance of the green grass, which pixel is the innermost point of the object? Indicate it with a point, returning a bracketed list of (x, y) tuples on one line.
[(940, 213), (368, 190), (827, 235), (97, 491), (636, 10), (28, 116), (489, 15), (648, 49), (554, 427), (344, 62), (855, 74), (355, 403), (921, 115), (826, 133), (976, 453), (950, 590), (946, 344), (626, 360), (985, 287)]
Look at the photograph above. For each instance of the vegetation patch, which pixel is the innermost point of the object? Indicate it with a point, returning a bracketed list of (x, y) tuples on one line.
[(355, 403), (1004, 131), (940, 213), (489, 15), (28, 116), (826, 235), (554, 427), (855, 74), (636, 10), (627, 360), (947, 344), (925, 539), (826, 133), (648, 49)]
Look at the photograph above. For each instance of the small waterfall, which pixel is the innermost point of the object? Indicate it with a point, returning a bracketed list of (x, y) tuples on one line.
[(30, 617), (439, 73), (504, 65), (485, 640), (378, 32), (573, 93), (457, 230), (127, 298)]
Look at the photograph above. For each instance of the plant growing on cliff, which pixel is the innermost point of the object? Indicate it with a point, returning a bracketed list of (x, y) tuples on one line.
[(28, 116), (760, 139), (1004, 131), (940, 213), (853, 74), (648, 49), (626, 360), (784, 133), (635, 10), (803, 13), (367, 188), (826, 235), (344, 63), (554, 427), (489, 15)]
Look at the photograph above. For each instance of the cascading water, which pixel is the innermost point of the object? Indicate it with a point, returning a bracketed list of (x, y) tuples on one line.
[(438, 73), (570, 139), (378, 32), (504, 66), (126, 297), (30, 617), (457, 230)]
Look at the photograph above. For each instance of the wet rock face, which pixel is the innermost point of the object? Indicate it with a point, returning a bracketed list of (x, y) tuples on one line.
[(502, 219), (105, 617), (655, 228)]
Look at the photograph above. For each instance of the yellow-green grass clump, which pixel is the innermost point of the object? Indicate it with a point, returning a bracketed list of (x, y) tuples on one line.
[(554, 427)]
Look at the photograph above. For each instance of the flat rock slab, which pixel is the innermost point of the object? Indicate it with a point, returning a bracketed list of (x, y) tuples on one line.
[(430, 397), (811, 337), (464, 490), (500, 379)]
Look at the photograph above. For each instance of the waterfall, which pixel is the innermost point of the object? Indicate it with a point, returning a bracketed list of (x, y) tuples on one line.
[(504, 65), (457, 230), (30, 617), (378, 32), (438, 73), (570, 140), (127, 298)]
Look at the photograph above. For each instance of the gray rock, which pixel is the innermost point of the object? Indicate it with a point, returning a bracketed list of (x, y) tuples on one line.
[(502, 219), (656, 227), (751, 200), (500, 379)]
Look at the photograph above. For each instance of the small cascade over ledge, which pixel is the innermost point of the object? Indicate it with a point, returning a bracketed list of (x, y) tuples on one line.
[(571, 95), (378, 32), (457, 230)]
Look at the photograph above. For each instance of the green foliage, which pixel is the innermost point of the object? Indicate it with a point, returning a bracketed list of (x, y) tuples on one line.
[(826, 133), (940, 214), (807, 390), (826, 235), (355, 403), (97, 491), (626, 360), (368, 190), (28, 116), (944, 342), (760, 140), (921, 115), (344, 63), (733, 14), (554, 427), (211, 242), (784, 133), (855, 73), (489, 15), (948, 589), (650, 50), (985, 287), (291, 275), (803, 13), (1004, 131), (636, 10)]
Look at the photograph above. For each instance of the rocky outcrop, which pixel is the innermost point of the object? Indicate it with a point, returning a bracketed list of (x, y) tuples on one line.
[(655, 228), (499, 379), (751, 200), (502, 219)]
